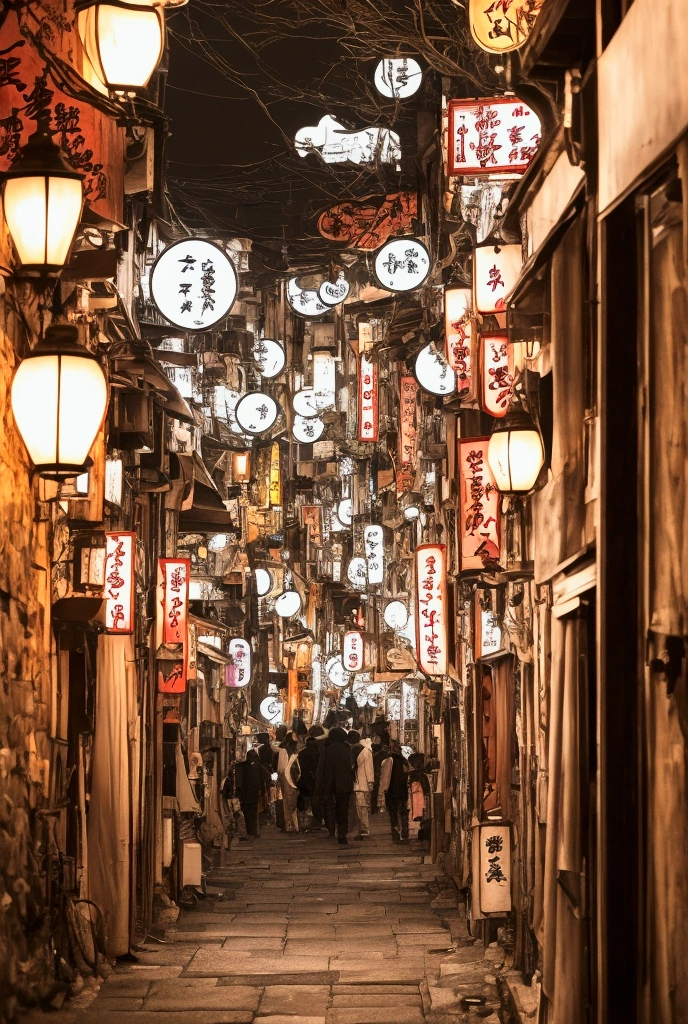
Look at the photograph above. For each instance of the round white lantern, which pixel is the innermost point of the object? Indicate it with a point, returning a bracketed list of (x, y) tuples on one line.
[(193, 284), (288, 604), (433, 372), (256, 412), (307, 429), (269, 356), (397, 78), (395, 615), (264, 581), (305, 301), (402, 264)]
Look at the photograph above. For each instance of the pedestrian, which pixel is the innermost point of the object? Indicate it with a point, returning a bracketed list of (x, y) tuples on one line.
[(380, 753), (250, 782), (309, 758), (364, 778), (419, 795), (287, 772), (322, 801), (338, 779), (394, 789)]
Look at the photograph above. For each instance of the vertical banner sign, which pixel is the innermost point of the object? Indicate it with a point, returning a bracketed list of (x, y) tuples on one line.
[(408, 434), (496, 270), (497, 375), (352, 651), (498, 135), (173, 622), (495, 869), (479, 508), (368, 413), (240, 653), (120, 549), (431, 613), (311, 517), (374, 542), (275, 481), (459, 334)]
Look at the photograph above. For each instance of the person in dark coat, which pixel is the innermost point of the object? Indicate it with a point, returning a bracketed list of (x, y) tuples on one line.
[(250, 780), (309, 758), (380, 754), (323, 802), (394, 783), (338, 779)]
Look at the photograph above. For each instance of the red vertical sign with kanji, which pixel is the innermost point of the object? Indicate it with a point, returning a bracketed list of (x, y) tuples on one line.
[(479, 506), (368, 413), (431, 623), (120, 550), (173, 622)]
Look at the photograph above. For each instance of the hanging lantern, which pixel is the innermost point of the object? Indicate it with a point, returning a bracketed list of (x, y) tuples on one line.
[(496, 270), (123, 41), (59, 396), (42, 200), (515, 453), (288, 604), (499, 28), (241, 467)]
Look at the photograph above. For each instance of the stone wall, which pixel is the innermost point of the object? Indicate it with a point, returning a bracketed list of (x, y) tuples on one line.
[(26, 970)]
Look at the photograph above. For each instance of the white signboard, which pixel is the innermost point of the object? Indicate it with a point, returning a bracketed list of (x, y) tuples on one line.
[(495, 273), (264, 582), (288, 604), (324, 379), (331, 293), (120, 550), (256, 412), (495, 135), (307, 429), (305, 403), (398, 77), (193, 284), (352, 651), (305, 301), (396, 615), (433, 372), (402, 264), (336, 672), (345, 511), (374, 541), (495, 869), (335, 144), (270, 357), (240, 652), (272, 710), (357, 573)]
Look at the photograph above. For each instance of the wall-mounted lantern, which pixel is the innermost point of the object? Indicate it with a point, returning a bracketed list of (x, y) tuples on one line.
[(123, 41), (59, 396), (516, 452)]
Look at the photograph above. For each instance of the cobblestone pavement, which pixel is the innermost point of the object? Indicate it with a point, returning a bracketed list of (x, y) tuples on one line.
[(298, 928)]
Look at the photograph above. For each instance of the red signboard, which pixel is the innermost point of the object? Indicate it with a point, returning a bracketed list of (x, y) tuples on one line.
[(173, 622), (352, 651), (497, 135), (367, 224), (120, 551), (368, 412), (408, 434), (497, 374), (431, 627), (479, 506)]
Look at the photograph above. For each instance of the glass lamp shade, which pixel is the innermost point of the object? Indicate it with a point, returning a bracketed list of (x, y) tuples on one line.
[(42, 200), (515, 453), (123, 41), (59, 397)]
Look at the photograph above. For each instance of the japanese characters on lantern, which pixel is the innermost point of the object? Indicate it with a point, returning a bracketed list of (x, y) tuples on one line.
[(495, 869), (240, 653), (497, 135), (193, 284), (408, 434), (368, 412), (459, 336), (497, 372), (500, 27), (402, 264), (374, 543), (495, 273), (120, 551), (352, 651), (431, 613), (479, 506)]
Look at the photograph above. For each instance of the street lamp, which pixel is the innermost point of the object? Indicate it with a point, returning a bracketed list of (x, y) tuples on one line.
[(59, 396), (123, 41), (515, 452), (42, 200)]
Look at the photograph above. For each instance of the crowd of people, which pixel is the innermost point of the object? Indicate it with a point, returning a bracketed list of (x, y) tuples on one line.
[(330, 778)]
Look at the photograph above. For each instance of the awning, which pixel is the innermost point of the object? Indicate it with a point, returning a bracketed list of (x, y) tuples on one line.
[(213, 654), (195, 496), (143, 367)]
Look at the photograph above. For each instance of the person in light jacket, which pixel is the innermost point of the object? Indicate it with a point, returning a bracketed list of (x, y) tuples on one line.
[(364, 778)]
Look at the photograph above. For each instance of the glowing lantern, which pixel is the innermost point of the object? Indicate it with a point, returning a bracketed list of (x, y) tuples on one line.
[(241, 467), (496, 270), (352, 651), (515, 453), (501, 28), (497, 374), (123, 41)]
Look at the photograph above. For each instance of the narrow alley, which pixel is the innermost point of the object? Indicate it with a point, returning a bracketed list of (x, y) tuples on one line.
[(297, 928)]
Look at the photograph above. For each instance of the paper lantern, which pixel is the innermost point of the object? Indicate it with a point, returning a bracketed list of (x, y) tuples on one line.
[(402, 264), (496, 269), (499, 28), (497, 373), (123, 41), (516, 453)]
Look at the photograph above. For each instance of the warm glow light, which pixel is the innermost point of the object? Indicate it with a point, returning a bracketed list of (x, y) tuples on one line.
[(59, 395), (516, 454), (241, 467), (124, 42), (42, 214), (352, 651)]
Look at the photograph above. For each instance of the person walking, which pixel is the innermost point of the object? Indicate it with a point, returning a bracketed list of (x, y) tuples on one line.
[(364, 778), (380, 754), (250, 783), (394, 790), (309, 758), (287, 772), (338, 779)]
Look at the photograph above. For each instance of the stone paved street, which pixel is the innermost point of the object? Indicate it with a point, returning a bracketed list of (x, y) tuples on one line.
[(299, 928)]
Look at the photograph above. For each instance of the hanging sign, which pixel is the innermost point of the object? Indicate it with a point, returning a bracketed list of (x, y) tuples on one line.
[(374, 543), (367, 224), (306, 430), (479, 504), (396, 615), (304, 403), (240, 653), (368, 409), (336, 673), (489, 634), (311, 518), (331, 293), (120, 550), (288, 604), (495, 273), (398, 77), (431, 623), (433, 372), (335, 144), (275, 480), (500, 27), (352, 651), (264, 582), (324, 379), (345, 511), (458, 333), (272, 710), (408, 434), (173, 622), (498, 135), (269, 356), (402, 264), (193, 284), (305, 301), (256, 412), (357, 572), (497, 373), (495, 869)]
